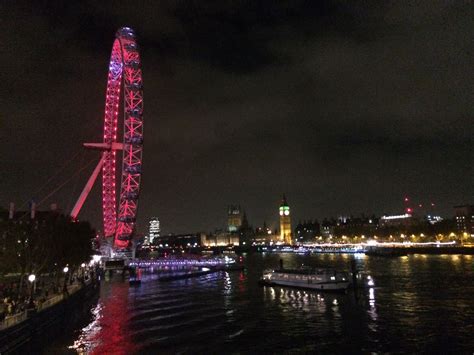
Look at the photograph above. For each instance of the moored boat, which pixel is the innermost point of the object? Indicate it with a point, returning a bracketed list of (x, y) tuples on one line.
[(309, 278)]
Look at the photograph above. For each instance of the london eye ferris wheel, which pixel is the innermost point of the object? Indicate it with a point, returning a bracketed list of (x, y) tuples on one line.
[(124, 92)]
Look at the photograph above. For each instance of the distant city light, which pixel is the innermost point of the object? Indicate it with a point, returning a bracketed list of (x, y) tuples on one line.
[(154, 230), (401, 216)]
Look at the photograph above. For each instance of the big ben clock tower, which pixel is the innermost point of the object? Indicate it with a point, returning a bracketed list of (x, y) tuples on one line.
[(285, 222)]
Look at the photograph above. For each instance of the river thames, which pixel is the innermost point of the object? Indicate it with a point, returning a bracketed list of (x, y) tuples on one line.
[(420, 303)]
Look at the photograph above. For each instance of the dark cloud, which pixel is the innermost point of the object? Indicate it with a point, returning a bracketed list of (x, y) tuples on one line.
[(345, 106)]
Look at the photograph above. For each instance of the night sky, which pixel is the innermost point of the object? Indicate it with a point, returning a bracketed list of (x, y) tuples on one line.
[(345, 106)]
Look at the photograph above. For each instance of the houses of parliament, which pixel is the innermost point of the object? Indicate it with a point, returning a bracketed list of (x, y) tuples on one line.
[(237, 223)]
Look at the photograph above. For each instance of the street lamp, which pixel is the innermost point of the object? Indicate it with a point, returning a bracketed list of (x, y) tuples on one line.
[(65, 270), (83, 272), (32, 279)]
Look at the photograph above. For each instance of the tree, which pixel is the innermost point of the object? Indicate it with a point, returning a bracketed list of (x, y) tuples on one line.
[(48, 242)]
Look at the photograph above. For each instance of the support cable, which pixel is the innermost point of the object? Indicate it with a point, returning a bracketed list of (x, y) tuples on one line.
[(53, 176), (60, 186), (65, 182)]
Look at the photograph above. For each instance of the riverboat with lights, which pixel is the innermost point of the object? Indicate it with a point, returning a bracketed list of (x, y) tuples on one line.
[(316, 279)]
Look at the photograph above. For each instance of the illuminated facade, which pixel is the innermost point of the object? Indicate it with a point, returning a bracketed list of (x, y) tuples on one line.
[(285, 222), (234, 219), (405, 219), (221, 239), (154, 229), (465, 219)]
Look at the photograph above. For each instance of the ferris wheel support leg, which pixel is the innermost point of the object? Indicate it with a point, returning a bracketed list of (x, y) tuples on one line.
[(85, 192)]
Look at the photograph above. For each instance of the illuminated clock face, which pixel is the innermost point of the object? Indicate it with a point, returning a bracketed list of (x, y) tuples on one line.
[(281, 213), (287, 212)]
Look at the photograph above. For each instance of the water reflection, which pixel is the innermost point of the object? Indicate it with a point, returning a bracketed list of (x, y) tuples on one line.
[(371, 297), (85, 343), (108, 333), (304, 301), (412, 297), (227, 284), (227, 297), (372, 311)]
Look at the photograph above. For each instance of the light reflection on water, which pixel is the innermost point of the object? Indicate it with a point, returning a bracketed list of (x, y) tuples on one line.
[(85, 343), (416, 302), (108, 333)]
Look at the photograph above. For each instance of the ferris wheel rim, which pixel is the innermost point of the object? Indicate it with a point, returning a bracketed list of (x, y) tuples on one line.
[(124, 82)]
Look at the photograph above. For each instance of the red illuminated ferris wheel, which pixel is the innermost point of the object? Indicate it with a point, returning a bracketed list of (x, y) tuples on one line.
[(125, 76)]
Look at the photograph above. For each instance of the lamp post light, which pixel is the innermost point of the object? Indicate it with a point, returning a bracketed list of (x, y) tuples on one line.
[(65, 270), (83, 273), (31, 279)]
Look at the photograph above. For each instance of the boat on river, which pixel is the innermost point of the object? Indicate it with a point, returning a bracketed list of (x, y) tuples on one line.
[(309, 278)]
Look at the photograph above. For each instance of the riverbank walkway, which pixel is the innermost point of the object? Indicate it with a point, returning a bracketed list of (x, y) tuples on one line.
[(42, 304)]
